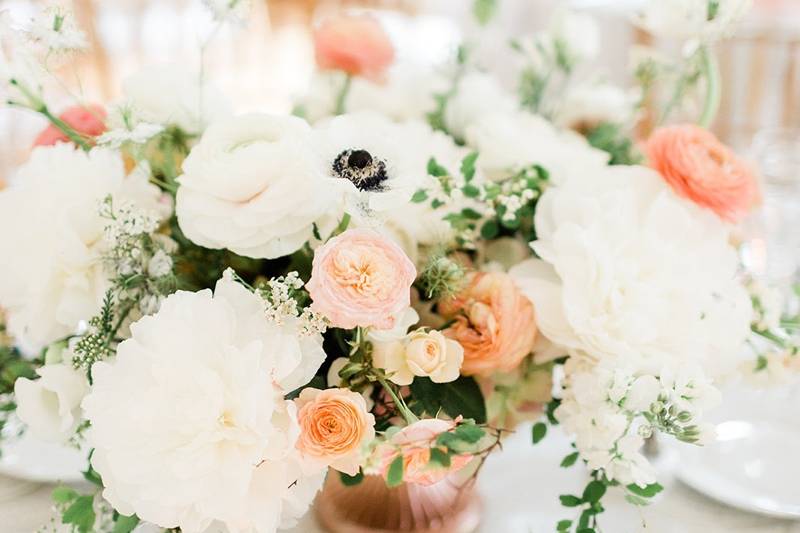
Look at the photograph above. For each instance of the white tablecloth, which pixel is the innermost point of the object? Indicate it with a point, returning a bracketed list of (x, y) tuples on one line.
[(520, 486)]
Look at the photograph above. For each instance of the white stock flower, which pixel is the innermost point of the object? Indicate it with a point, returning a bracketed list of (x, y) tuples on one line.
[(252, 185), (510, 141), (50, 405), (692, 19), (478, 94), (630, 272), (170, 95), (189, 423), (235, 11), (587, 105), (51, 230), (56, 30)]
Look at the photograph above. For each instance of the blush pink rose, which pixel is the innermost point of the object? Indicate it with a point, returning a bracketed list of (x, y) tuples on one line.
[(493, 322), (414, 442), (334, 425), (88, 121), (361, 278), (357, 45), (700, 168)]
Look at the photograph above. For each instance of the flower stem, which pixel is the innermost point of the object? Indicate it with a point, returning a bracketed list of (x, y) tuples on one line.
[(713, 87), (399, 403), (73, 135), (342, 96)]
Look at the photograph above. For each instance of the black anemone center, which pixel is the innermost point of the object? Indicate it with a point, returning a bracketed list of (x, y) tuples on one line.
[(358, 166)]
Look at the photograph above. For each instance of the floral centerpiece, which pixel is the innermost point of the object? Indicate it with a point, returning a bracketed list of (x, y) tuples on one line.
[(223, 309)]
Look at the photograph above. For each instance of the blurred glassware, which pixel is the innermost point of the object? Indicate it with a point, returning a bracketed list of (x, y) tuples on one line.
[(772, 250)]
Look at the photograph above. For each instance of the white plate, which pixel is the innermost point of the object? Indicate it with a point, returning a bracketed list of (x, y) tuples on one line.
[(34, 460), (752, 466)]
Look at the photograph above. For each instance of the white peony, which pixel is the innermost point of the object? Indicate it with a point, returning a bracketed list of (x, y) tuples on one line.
[(509, 141), (253, 185), (630, 271), (189, 422), (170, 95), (478, 94), (587, 105), (52, 275), (376, 165), (692, 19), (50, 405)]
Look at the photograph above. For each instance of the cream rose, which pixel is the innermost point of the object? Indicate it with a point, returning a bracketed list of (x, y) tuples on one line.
[(421, 353), (50, 405), (252, 186)]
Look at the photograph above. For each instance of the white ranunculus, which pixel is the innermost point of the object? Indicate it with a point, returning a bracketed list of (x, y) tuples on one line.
[(628, 270), (478, 94), (374, 164), (406, 94), (170, 95), (189, 423), (587, 105), (52, 276), (577, 34), (690, 19), (252, 185), (509, 141), (50, 405)]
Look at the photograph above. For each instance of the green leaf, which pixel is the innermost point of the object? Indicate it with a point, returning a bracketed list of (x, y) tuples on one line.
[(470, 191), (435, 169), (468, 166), (394, 476), (460, 397), (81, 514), (125, 524), (470, 213), (594, 491), (645, 492), (563, 525), (91, 475), (569, 460), (637, 500), (484, 10), (568, 500), (490, 229), (420, 196), (64, 494), (351, 481), (439, 458), (586, 530), (538, 432), (469, 432)]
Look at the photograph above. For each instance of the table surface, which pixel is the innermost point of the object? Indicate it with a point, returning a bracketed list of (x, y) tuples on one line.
[(25, 506)]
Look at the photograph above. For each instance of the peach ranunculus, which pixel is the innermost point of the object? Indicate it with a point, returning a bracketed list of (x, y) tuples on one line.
[(414, 442), (493, 321), (700, 168), (88, 121), (361, 278), (334, 426), (355, 44)]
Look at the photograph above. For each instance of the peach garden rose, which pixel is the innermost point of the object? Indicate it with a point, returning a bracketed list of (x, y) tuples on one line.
[(355, 44), (493, 321), (414, 442), (700, 168), (334, 425), (361, 278), (86, 120)]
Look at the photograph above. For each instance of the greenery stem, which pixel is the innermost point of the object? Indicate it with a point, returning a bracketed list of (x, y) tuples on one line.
[(73, 135), (398, 401), (713, 87), (342, 96)]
